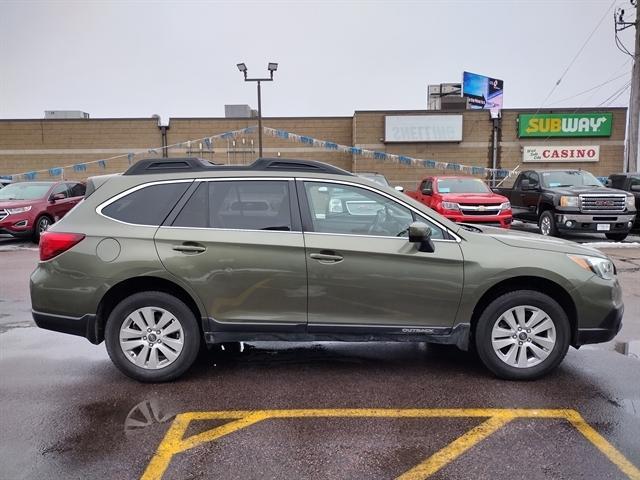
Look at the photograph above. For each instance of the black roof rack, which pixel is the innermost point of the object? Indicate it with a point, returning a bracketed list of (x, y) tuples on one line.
[(193, 164)]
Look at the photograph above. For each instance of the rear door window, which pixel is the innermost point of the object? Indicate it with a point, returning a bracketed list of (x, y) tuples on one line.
[(147, 206), (239, 205)]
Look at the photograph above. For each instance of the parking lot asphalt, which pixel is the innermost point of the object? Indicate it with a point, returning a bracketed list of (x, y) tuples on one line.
[(322, 410)]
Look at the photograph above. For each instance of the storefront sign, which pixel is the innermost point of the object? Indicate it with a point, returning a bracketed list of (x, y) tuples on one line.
[(423, 128), (573, 153), (565, 125)]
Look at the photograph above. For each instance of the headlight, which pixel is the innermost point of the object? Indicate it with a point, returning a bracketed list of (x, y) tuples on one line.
[(631, 203), (450, 206), (569, 201), (505, 206), (18, 210), (602, 267)]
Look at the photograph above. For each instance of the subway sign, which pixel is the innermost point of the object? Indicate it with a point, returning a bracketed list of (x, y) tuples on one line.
[(565, 125)]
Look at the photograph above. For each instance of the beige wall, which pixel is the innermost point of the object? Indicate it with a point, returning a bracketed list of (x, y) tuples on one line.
[(27, 145)]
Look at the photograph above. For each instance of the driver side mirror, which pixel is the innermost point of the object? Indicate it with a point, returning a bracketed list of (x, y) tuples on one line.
[(57, 196), (635, 188), (399, 188), (420, 233), (427, 191)]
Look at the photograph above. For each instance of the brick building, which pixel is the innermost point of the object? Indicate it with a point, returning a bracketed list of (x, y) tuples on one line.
[(555, 139)]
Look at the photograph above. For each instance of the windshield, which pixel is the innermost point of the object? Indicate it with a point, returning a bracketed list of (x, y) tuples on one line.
[(25, 191), (375, 177), (462, 185), (569, 178)]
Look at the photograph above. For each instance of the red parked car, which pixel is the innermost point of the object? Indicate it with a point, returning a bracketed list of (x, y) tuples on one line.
[(28, 208), (464, 199)]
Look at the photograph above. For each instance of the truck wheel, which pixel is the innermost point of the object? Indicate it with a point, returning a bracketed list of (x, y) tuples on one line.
[(522, 335), (548, 224), (152, 337), (616, 237)]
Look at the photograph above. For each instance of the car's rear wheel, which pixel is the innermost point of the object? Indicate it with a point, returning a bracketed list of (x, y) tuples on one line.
[(42, 225), (522, 335), (152, 337), (616, 237)]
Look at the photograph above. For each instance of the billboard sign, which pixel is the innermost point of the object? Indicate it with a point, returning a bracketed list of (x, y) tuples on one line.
[(565, 125), (559, 154), (482, 92), (422, 128)]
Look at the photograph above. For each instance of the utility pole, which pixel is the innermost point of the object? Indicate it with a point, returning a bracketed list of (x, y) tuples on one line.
[(632, 150)]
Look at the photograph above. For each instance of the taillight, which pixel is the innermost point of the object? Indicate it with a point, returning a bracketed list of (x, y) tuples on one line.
[(53, 244)]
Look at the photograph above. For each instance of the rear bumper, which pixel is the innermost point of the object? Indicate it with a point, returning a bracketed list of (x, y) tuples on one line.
[(84, 326)]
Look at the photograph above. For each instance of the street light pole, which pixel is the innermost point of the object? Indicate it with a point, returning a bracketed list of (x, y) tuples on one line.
[(272, 67)]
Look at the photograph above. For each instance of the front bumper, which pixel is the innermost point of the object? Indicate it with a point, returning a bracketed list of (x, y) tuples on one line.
[(502, 220), (16, 224), (579, 222), (609, 328), (84, 326)]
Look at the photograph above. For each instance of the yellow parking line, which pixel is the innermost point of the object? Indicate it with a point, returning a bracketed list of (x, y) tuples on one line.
[(605, 447), (456, 448), (174, 441)]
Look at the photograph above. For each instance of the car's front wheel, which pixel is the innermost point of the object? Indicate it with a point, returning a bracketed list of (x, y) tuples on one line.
[(152, 337), (547, 224), (522, 335)]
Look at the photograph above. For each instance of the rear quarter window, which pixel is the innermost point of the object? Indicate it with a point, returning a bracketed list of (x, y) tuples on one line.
[(147, 206)]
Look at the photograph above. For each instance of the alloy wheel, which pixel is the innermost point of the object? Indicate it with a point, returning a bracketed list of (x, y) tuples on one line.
[(523, 336), (151, 338), (43, 224), (545, 226)]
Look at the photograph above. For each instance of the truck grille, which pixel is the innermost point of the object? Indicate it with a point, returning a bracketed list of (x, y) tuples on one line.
[(3, 214), (480, 209), (602, 203)]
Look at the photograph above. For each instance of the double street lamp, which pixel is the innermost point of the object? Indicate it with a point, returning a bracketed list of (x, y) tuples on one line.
[(272, 67)]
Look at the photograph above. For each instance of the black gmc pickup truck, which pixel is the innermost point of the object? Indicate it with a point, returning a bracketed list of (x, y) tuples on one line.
[(563, 201)]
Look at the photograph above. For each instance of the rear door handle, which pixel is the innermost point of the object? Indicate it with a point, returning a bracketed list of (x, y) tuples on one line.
[(326, 257), (189, 248)]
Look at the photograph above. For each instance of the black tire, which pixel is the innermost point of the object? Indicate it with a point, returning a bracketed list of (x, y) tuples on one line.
[(616, 237), (175, 306), (495, 310), (551, 230), (43, 222)]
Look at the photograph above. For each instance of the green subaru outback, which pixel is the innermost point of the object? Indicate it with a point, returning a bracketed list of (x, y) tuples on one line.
[(176, 253)]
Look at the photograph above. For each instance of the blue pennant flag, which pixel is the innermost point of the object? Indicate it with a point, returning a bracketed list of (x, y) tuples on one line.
[(453, 166), (477, 170), (80, 167), (153, 151), (55, 171), (227, 135), (130, 156), (356, 151), (379, 155), (330, 146), (307, 140), (282, 134), (249, 130), (30, 175), (102, 163), (502, 173), (7, 177), (404, 160)]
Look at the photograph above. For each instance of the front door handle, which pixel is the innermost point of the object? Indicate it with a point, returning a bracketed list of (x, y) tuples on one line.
[(189, 248), (327, 257)]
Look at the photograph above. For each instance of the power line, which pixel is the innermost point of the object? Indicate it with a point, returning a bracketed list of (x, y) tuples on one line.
[(616, 94), (593, 88)]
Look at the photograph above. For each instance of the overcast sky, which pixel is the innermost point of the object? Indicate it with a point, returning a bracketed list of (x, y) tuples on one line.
[(178, 58)]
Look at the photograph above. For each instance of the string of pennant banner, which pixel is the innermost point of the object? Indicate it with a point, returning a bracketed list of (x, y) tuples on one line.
[(383, 156), (208, 142)]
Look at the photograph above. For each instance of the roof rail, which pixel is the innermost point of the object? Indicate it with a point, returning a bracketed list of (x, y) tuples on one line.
[(193, 164)]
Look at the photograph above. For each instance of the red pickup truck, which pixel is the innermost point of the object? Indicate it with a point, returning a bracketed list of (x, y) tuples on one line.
[(464, 199)]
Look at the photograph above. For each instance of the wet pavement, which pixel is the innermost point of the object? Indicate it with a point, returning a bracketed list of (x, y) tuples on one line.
[(387, 409)]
